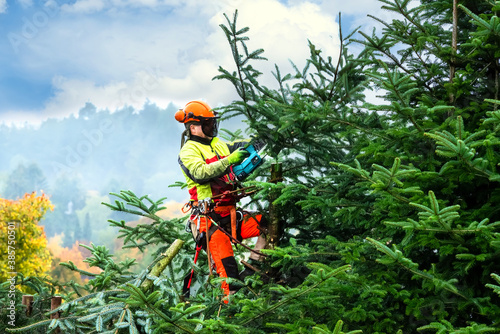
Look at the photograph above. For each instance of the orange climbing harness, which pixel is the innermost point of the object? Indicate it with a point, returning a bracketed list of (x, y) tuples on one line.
[(210, 220)]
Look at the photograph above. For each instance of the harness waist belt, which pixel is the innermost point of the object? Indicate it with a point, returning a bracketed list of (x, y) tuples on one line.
[(221, 210)]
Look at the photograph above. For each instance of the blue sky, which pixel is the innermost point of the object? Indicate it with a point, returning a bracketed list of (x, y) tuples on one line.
[(56, 55)]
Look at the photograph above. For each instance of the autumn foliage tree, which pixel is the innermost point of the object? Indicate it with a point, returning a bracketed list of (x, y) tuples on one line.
[(30, 252)]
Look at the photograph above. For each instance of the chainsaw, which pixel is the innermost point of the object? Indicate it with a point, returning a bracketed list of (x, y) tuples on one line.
[(244, 169)]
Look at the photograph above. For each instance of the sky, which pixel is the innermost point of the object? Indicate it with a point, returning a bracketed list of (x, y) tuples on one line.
[(57, 55)]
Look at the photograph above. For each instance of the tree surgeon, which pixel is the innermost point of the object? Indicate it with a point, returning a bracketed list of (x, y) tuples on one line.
[(206, 162)]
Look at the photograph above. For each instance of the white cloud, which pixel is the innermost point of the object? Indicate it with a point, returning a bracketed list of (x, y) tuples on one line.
[(358, 7), (25, 3), (283, 32), (126, 57), (146, 86), (87, 6), (359, 10), (22, 117), (71, 93), (3, 6), (84, 6)]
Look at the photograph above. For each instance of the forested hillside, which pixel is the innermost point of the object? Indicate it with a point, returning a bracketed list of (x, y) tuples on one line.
[(100, 148), (385, 212), (77, 161)]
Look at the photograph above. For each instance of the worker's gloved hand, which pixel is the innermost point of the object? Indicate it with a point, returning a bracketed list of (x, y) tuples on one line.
[(237, 156)]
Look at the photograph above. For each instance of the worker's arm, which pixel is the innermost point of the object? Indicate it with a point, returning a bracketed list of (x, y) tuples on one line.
[(198, 170)]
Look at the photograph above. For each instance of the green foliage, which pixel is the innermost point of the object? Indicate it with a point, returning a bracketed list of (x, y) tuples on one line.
[(151, 301), (414, 177), (159, 232)]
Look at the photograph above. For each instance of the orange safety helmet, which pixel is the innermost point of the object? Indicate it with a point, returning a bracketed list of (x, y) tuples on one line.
[(195, 111), (199, 112)]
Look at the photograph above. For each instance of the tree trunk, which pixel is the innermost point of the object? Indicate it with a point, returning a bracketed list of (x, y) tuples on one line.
[(273, 231), (454, 46)]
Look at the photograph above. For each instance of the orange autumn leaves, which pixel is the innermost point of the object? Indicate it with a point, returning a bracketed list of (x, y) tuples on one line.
[(75, 254), (39, 257), (29, 251)]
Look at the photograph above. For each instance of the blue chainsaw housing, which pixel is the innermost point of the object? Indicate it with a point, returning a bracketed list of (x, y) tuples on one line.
[(248, 165)]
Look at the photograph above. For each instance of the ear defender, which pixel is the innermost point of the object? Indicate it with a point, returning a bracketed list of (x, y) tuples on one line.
[(180, 116)]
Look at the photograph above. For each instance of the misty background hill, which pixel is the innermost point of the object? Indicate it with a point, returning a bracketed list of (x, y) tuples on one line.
[(77, 161)]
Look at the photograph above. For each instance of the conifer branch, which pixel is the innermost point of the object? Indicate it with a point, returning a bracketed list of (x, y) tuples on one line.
[(323, 279), (163, 263), (358, 127), (398, 257), (35, 325)]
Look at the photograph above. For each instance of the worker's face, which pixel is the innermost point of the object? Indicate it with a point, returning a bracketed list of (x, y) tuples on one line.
[(207, 129)]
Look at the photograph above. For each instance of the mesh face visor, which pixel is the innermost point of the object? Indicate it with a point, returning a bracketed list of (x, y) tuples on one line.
[(210, 126)]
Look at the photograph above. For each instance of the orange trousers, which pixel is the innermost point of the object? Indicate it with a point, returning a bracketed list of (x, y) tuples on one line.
[(219, 244)]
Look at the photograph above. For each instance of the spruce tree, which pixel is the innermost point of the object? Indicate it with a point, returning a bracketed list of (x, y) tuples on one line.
[(413, 177)]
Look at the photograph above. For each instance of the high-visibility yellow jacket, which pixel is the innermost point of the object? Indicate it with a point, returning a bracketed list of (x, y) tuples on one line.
[(206, 168)]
